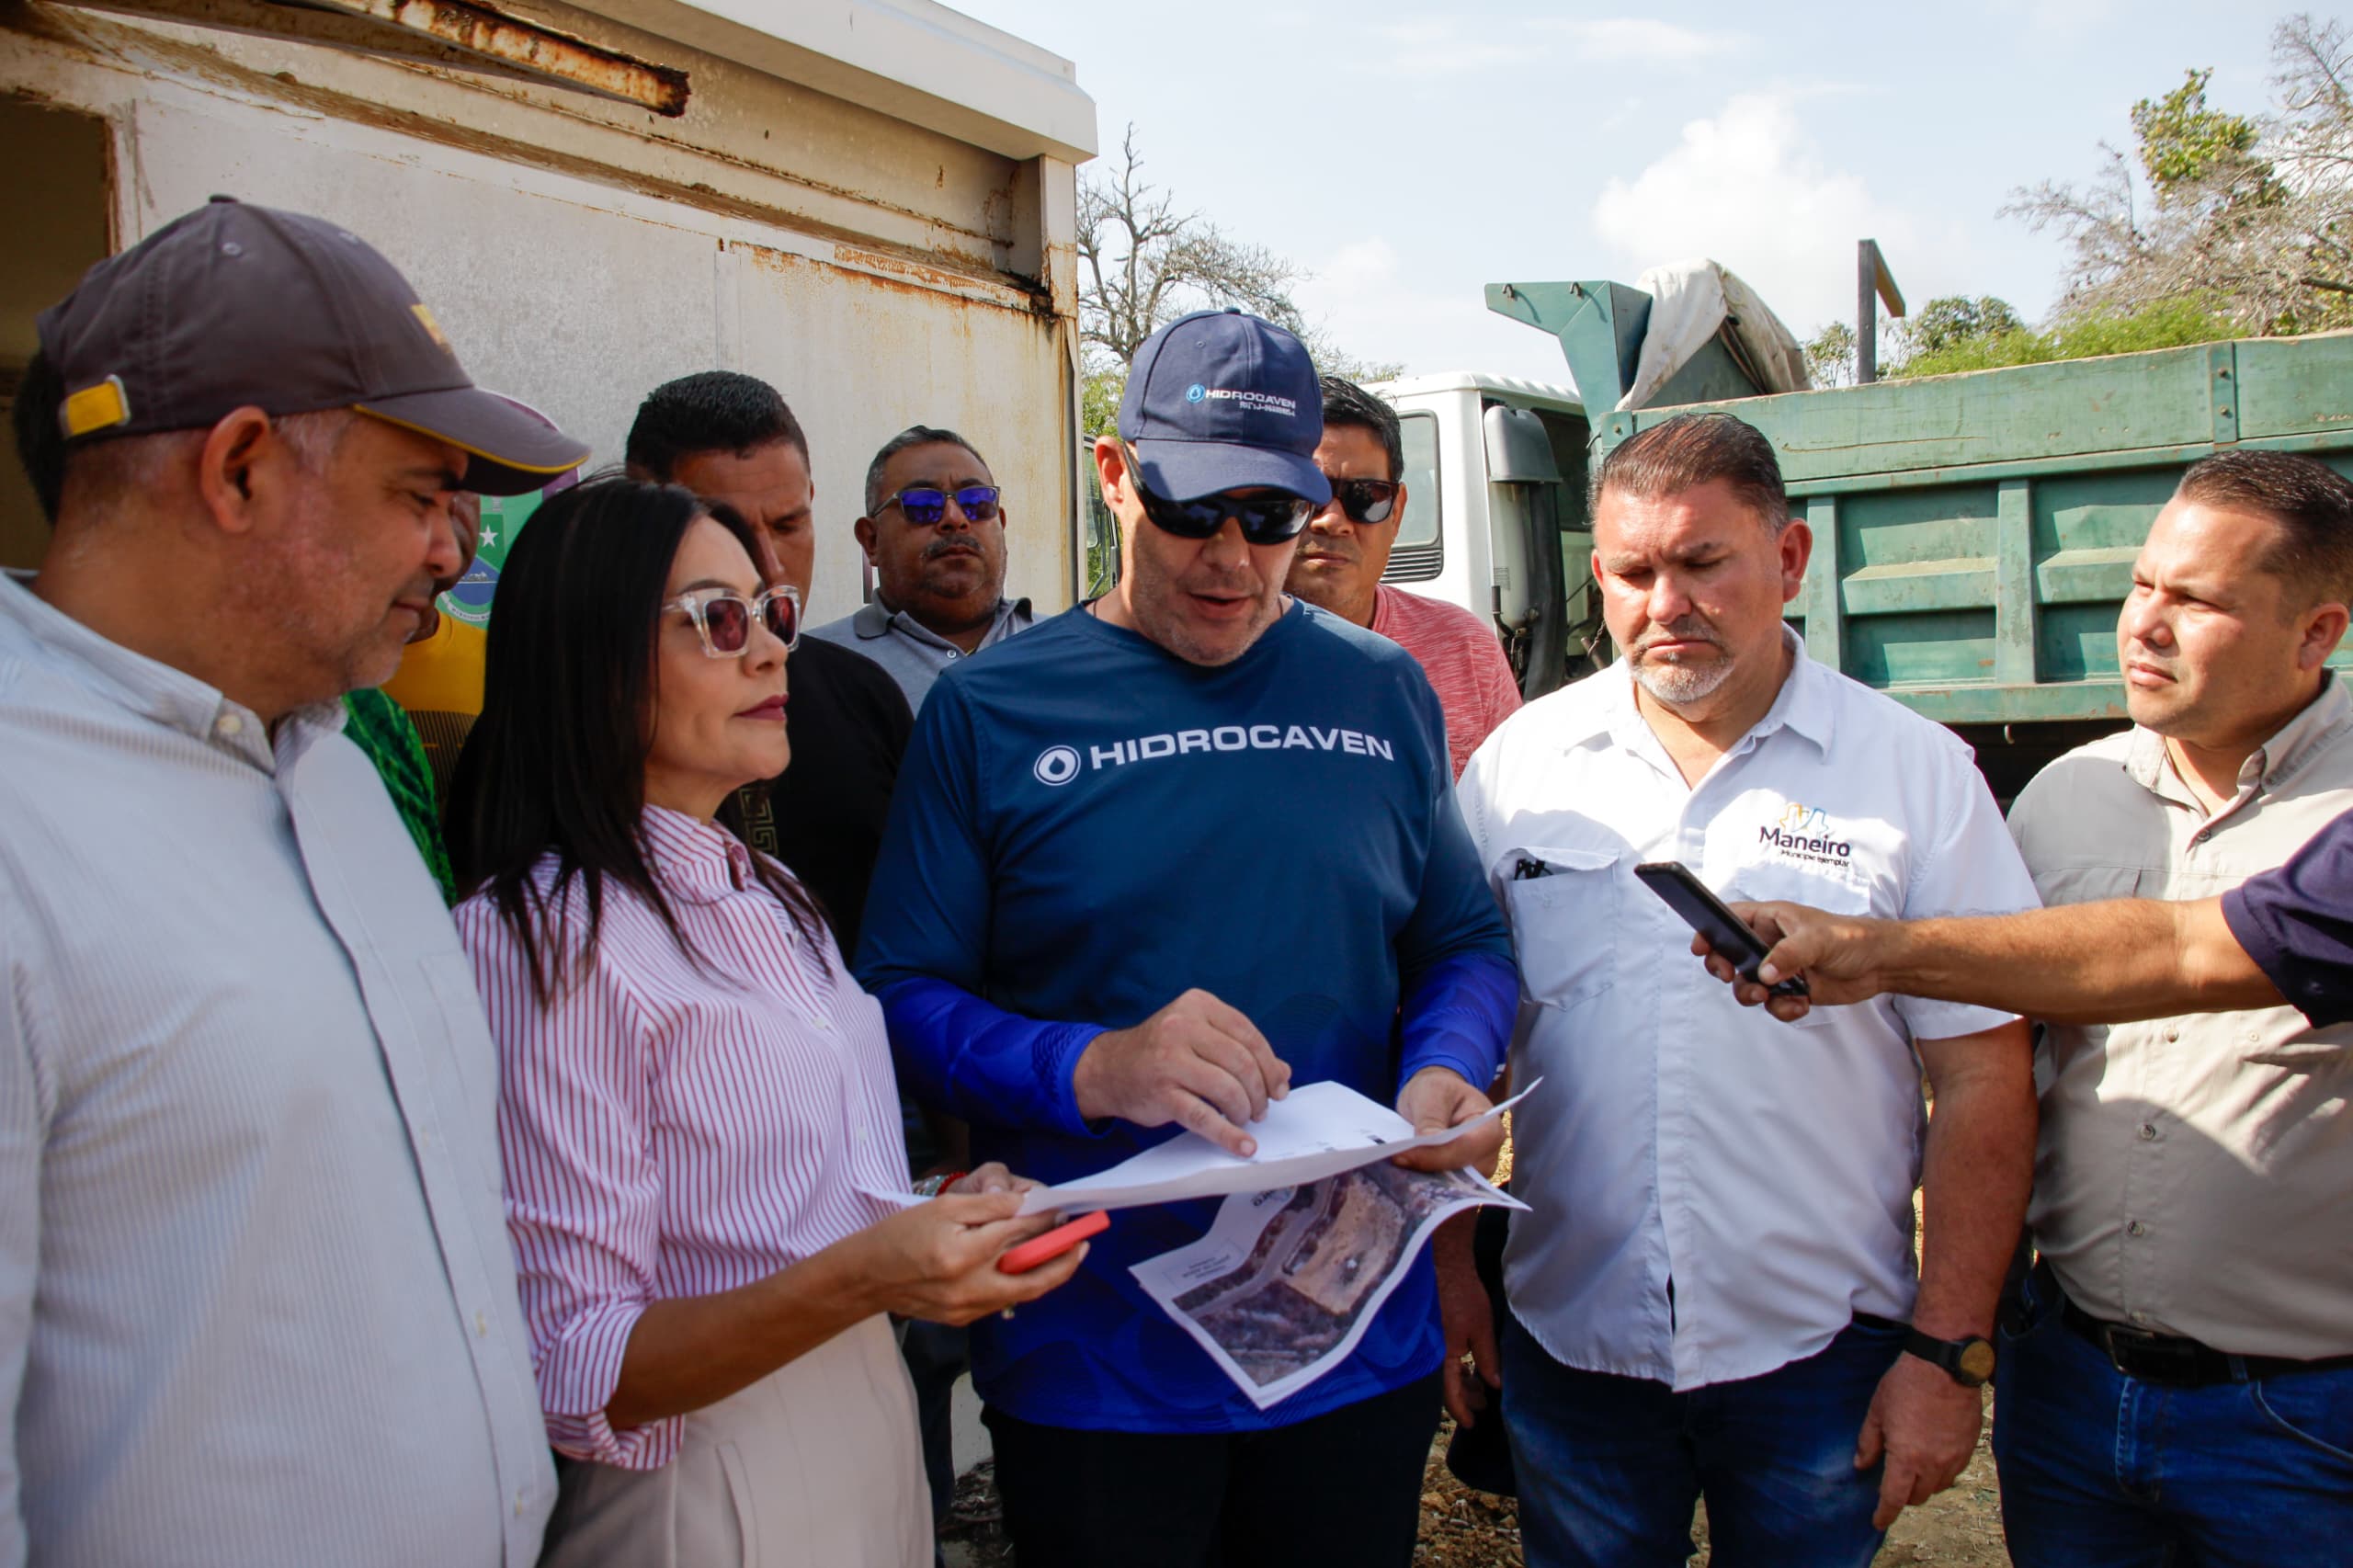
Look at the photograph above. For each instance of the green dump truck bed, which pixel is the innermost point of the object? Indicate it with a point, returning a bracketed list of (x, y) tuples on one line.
[(1974, 534)]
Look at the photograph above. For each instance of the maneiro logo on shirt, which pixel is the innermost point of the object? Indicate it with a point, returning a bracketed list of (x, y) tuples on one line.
[(1805, 833), (1057, 766)]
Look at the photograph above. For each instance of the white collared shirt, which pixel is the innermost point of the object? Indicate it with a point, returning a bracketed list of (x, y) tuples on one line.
[(256, 1301), (1765, 1170)]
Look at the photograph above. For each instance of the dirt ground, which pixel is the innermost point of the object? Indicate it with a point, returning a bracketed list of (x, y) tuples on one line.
[(1958, 1529), (1461, 1529)]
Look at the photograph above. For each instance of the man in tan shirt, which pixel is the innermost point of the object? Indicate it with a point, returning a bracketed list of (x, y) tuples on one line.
[(2193, 1175), (2179, 1388)]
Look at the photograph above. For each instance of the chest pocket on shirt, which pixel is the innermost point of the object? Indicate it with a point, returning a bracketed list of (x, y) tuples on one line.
[(1564, 924)]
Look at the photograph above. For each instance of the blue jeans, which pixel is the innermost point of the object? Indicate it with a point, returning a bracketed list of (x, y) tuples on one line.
[(1610, 1466), (2104, 1470)]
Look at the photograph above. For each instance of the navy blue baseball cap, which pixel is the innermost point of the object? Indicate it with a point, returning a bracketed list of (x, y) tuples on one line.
[(1223, 400)]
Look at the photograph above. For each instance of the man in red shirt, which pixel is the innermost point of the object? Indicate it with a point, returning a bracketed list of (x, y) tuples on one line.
[(1346, 547)]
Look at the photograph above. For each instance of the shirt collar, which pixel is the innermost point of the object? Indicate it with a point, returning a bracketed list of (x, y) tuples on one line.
[(871, 621), (148, 688), (1804, 704), (699, 861), (876, 619), (2270, 764)]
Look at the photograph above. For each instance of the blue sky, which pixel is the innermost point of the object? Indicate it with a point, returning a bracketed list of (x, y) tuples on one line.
[(1409, 154)]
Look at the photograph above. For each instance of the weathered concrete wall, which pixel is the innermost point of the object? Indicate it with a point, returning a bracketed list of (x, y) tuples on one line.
[(577, 257)]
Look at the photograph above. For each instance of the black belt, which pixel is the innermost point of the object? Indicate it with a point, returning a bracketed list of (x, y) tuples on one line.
[(2183, 1363)]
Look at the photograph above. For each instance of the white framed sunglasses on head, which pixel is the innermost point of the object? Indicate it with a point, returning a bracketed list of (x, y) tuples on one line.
[(724, 620)]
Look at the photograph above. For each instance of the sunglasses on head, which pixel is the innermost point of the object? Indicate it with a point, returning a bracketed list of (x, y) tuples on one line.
[(724, 620), (924, 504), (1366, 500)]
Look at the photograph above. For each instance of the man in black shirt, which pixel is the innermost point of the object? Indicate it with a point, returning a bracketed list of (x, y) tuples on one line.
[(729, 437)]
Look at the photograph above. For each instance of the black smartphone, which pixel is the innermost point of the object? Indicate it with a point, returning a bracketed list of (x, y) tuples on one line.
[(1706, 913)]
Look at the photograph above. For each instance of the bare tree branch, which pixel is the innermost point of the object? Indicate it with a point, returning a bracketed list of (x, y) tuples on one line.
[(1145, 263), (2258, 227)]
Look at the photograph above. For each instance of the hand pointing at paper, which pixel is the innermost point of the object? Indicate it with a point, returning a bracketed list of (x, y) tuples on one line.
[(1197, 1062)]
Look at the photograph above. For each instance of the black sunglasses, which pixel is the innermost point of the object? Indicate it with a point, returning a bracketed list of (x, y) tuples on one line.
[(924, 504), (1273, 518), (1366, 500)]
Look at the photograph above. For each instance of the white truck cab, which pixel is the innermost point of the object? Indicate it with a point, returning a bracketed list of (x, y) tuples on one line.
[(1496, 516)]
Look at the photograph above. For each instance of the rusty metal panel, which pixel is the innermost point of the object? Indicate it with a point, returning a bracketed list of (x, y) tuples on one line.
[(445, 32), (749, 145), (540, 51)]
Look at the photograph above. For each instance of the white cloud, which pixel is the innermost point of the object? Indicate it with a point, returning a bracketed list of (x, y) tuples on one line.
[(1361, 298), (2056, 24), (1448, 47), (1440, 48), (1749, 189), (1603, 41)]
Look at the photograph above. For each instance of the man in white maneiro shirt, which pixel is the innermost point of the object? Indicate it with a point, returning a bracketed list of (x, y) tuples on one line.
[(1715, 1293)]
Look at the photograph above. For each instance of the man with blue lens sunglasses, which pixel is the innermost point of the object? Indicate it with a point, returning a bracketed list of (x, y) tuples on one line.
[(934, 533), (1149, 867)]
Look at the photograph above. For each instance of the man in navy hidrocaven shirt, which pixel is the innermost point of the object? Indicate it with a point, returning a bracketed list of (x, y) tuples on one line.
[(1168, 854)]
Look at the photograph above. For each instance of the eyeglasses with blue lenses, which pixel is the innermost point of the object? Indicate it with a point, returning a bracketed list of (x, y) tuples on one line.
[(926, 505)]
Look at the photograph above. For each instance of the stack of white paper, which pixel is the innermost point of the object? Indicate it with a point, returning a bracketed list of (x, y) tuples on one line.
[(1317, 1131)]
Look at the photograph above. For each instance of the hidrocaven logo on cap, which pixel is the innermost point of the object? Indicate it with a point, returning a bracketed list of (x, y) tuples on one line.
[(1221, 401), (1269, 401)]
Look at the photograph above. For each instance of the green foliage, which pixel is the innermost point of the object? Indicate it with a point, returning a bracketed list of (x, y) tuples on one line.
[(1830, 355), (2173, 323), (1943, 323), (1331, 359), (2183, 142), (1102, 542), (1098, 398), (2170, 324), (2252, 216)]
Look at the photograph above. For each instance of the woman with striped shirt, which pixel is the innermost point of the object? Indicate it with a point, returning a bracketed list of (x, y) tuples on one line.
[(705, 1188)]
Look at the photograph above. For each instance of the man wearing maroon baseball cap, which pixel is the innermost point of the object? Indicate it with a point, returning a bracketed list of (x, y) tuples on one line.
[(256, 1299)]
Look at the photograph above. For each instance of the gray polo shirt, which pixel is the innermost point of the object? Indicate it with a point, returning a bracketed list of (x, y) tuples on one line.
[(912, 653)]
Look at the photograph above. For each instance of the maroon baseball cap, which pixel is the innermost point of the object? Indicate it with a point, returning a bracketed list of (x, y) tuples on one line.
[(233, 305)]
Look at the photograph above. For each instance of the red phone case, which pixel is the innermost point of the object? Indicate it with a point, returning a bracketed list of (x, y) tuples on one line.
[(1053, 1244)]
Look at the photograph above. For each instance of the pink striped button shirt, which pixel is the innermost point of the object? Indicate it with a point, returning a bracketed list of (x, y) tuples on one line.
[(668, 1130)]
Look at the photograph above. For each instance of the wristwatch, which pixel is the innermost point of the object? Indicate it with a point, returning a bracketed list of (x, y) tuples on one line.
[(1969, 1362)]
